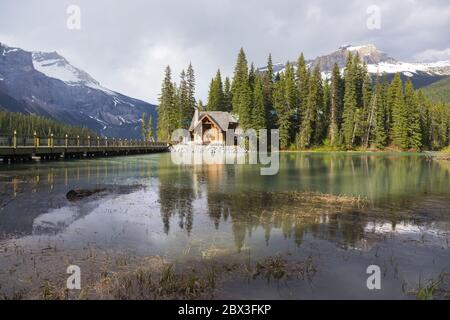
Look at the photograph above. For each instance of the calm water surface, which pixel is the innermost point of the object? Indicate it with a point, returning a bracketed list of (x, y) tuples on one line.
[(177, 211)]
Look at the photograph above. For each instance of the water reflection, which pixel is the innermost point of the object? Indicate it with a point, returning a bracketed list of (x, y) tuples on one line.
[(402, 189)]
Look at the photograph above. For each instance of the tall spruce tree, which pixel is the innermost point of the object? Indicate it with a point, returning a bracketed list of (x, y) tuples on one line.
[(335, 105), (167, 113), (190, 80), (308, 133), (379, 134), (284, 100), (227, 106), (302, 75), (399, 132), (150, 134), (241, 92), (216, 94), (350, 104), (258, 111), (267, 82), (183, 101), (413, 120), (143, 127)]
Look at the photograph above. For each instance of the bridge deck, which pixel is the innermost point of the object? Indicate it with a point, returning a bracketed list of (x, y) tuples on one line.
[(13, 147)]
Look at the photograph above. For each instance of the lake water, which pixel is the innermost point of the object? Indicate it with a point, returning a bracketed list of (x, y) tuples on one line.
[(179, 211)]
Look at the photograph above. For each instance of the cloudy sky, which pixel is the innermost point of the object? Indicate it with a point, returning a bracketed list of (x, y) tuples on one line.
[(126, 44)]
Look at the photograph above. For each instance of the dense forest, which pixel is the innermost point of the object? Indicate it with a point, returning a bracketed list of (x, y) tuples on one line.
[(347, 111), (26, 125)]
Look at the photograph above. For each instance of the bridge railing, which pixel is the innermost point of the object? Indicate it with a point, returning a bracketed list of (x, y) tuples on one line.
[(67, 141)]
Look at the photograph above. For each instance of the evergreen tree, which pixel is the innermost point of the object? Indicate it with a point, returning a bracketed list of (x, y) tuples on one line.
[(143, 127), (379, 135), (335, 105), (267, 82), (309, 133), (302, 75), (259, 114), (350, 104), (282, 110), (399, 133), (167, 113), (150, 135), (191, 103), (252, 76), (241, 92), (216, 95), (324, 114), (183, 102), (413, 119), (201, 106), (227, 106), (368, 112), (285, 101)]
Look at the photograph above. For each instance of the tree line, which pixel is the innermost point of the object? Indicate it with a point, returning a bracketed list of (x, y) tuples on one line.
[(26, 125), (345, 111), (176, 103)]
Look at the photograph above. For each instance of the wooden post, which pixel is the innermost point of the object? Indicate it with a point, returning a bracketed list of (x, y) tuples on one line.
[(15, 139), (36, 140)]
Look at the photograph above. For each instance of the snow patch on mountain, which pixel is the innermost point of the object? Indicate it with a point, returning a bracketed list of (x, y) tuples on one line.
[(439, 67)]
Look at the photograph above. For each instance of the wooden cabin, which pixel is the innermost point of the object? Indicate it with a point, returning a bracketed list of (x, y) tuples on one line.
[(211, 126)]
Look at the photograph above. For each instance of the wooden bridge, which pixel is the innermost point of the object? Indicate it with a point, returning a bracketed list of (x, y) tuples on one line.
[(17, 148)]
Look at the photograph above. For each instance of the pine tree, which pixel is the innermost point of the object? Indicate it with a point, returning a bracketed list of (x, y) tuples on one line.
[(309, 133), (167, 113), (240, 78), (335, 105), (414, 129), (150, 135), (379, 134), (143, 126), (302, 75), (216, 95), (201, 106), (241, 92), (259, 114), (227, 106), (251, 76), (282, 110), (191, 104), (368, 112), (399, 134), (324, 113), (268, 82), (183, 102), (350, 104)]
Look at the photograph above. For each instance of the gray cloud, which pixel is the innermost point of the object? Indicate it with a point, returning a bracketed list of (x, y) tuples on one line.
[(126, 45)]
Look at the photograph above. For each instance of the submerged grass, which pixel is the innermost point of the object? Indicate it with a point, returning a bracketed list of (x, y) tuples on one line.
[(437, 288), (119, 277)]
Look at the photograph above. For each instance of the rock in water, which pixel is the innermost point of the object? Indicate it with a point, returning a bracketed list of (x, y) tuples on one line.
[(78, 194)]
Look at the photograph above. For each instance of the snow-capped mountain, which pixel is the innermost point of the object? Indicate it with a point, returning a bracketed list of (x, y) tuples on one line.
[(378, 62), (45, 83)]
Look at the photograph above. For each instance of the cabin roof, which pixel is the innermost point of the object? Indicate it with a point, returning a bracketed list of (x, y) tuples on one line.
[(222, 118)]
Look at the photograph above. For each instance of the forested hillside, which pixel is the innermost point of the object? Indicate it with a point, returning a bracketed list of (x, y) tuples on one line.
[(439, 91), (26, 125), (349, 111)]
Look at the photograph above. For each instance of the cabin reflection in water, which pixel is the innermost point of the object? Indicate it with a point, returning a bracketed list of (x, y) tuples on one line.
[(238, 196)]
